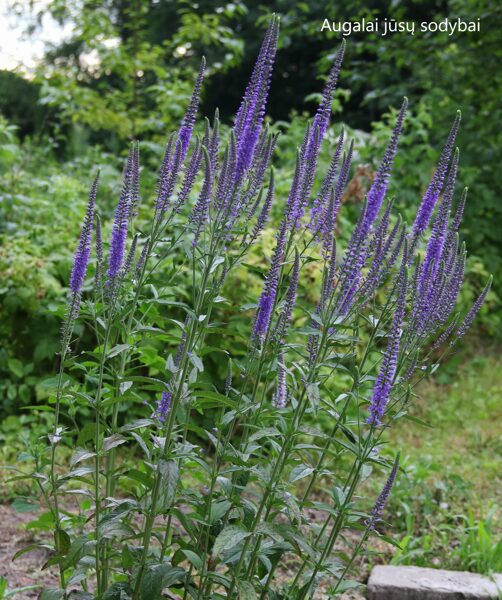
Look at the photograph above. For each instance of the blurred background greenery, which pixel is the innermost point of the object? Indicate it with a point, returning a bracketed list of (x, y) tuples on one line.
[(124, 70)]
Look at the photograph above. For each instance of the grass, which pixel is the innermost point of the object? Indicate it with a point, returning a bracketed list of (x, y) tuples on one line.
[(463, 406), (445, 509)]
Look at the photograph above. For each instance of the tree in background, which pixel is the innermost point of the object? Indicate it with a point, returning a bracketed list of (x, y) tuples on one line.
[(116, 76), (127, 70)]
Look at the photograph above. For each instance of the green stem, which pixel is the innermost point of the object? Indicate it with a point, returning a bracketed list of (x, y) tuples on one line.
[(168, 434), (97, 462), (55, 509)]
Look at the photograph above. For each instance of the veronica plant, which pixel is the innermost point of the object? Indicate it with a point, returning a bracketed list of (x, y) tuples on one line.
[(174, 508)]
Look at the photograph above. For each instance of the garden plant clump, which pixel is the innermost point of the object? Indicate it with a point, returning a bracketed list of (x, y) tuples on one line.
[(215, 501)]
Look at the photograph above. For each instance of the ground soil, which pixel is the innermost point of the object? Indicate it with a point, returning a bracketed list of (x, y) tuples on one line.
[(26, 570)]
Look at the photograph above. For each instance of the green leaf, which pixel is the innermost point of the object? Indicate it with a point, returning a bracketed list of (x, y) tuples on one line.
[(16, 591), (79, 472), (113, 441), (169, 482), (62, 542), (193, 559), (247, 591), (218, 509), (142, 443), (23, 505), (228, 538), (124, 386), (29, 548), (140, 477), (80, 455), (197, 363), (299, 472), (118, 349), (137, 424), (52, 594), (127, 558), (117, 591), (348, 584), (339, 496), (115, 529), (271, 530), (158, 577), (16, 367), (266, 432), (418, 421), (75, 551), (313, 394)]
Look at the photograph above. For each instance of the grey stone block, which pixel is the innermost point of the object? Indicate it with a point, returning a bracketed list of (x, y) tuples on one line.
[(415, 583)]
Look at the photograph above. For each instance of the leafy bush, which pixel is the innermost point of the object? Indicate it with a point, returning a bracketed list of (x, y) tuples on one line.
[(217, 508)]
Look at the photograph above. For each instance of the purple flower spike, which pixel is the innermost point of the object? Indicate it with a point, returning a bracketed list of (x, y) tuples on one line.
[(262, 160), (284, 320), (190, 176), (186, 128), (378, 190), (250, 116), (446, 334), (433, 191), (200, 213), (321, 119), (140, 265), (133, 211), (457, 219), (331, 211), (471, 315), (81, 258), (98, 247), (378, 508), (385, 379), (168, 176), (436, 243), (293, 203), (163, 406), (265, 210), (250, 99), (329, 282), (131, 256), (327, 185), (267, 299), (281, 393), (122, 216)]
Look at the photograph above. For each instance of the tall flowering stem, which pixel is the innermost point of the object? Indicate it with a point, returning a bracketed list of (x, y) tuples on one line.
[(435, 186), (379, 187), (123, 214), (186, 128), (268, 296), (378, 508), (437, 239), (83, 252), (385, 379), (77, 277), (471, 315)]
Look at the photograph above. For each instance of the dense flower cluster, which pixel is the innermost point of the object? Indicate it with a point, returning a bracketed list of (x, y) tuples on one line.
[(191, 523), (378, 508)]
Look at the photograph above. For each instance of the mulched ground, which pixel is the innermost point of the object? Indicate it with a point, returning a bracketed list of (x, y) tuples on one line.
[(26, 570)]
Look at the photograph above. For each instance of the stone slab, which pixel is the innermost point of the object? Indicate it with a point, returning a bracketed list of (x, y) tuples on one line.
[(415, 583)]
